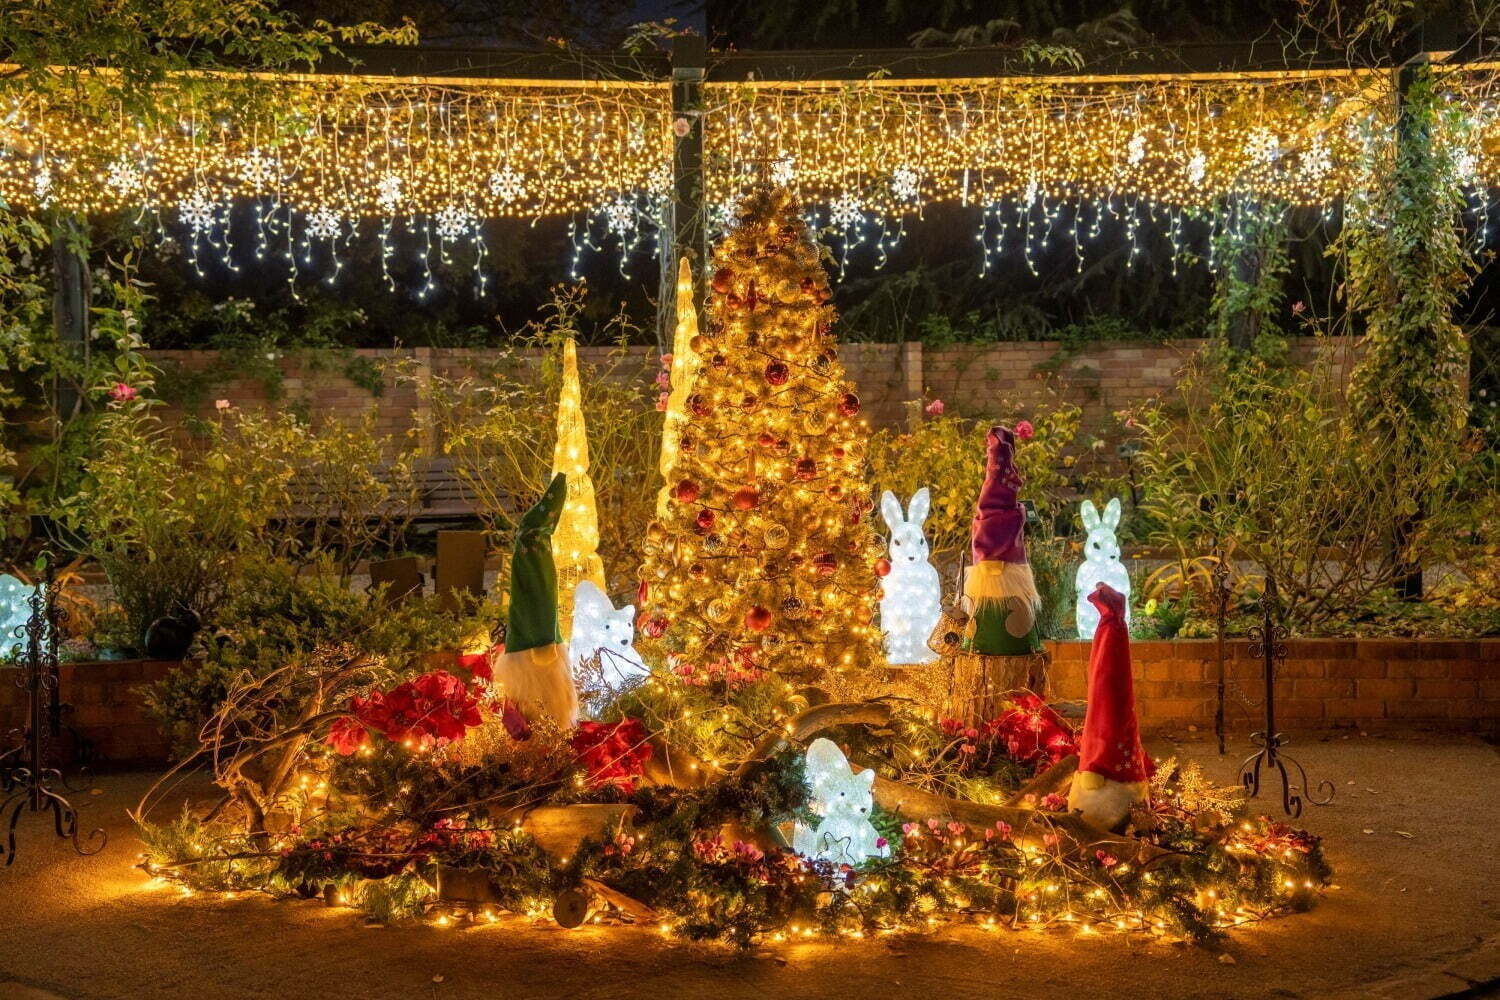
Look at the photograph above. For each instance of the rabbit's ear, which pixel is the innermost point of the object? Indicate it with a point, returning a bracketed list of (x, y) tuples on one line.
[(890, 509), (1089, 514), (920, 504), (1112, 513)]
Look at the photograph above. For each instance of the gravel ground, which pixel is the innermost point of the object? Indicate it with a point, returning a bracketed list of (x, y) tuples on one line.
[(1415, 912)]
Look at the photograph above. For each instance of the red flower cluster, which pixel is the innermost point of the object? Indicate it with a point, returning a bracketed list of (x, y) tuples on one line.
[(1030, 733), (614, 754), (436, 708)]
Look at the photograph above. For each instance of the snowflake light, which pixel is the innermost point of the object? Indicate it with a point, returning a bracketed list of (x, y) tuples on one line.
[(1466, 164), (507, 185), (257, 169), (600, 629), (842, 799), (1316, 161), (197, 212), (904, 184), (845, 212), (323, 223), (124, 177), (1135, 150), (911, 593), (1263, 145), (619, 216), (388, 193), (1197, 168), (783, 170), (453, 222), (41, 186)]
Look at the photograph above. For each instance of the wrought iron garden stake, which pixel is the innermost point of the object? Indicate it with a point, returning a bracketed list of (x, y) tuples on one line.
[(1268, 641), (26, 780), (1220, 578)]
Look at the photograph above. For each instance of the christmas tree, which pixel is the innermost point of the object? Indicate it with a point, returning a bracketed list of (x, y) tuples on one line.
[(760, 574), (575, 543)]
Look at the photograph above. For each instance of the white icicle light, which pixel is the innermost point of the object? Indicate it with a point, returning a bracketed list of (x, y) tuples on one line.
[(599, 628), (843, 800), (911, 594), (1101, 564)]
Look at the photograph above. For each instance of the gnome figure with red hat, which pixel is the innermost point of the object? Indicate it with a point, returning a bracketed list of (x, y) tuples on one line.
[(1113, 768), (1003, 648)]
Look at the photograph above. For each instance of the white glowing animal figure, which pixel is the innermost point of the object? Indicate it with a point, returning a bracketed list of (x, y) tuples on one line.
[(843, 800), (14, 612), (911, 594), (1101, 564), (599, 628)]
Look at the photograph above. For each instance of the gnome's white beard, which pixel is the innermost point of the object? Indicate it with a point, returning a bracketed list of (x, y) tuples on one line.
[(993, 580), (1103, 801), (538, 680)]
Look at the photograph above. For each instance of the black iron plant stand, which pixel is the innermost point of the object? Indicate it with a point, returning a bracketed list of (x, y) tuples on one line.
[(1268, 642), (27, 783)]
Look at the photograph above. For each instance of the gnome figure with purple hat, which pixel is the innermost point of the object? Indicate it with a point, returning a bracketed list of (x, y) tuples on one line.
[(1000, 594)]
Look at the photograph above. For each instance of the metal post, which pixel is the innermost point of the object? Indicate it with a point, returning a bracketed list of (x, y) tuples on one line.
[(683, 230), (70, 309)]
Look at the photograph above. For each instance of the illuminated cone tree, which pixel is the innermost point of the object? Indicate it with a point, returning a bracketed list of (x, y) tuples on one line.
[(575, 543), (760, 574)]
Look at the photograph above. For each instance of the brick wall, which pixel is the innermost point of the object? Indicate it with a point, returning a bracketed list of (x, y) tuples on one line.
[(973, 379), (1325, 683), (107, 709)]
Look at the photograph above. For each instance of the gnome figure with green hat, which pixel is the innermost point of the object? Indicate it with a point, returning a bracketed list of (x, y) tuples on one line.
[(531, 674), (1003, 648)]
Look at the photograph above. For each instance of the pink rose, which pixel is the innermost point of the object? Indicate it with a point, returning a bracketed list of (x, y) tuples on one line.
[(681, 127), (123, 393), (1024, 430), (221, 404), (936, 407)]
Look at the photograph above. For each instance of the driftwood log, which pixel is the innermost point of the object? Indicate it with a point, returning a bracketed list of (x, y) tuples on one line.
[(1056, 778), (559, 830)]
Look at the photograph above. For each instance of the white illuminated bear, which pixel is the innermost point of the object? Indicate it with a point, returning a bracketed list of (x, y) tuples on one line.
[(599, 628), (843, 800)]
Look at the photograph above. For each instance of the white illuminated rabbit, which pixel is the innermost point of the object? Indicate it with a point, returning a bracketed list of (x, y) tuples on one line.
[(1101, 564), (911, 595)]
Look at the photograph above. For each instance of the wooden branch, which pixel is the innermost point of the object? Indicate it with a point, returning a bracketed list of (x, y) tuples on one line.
[(628, 905), (559, 830), (672, 768), (1029, 827), (1054, 779), (803, 726)]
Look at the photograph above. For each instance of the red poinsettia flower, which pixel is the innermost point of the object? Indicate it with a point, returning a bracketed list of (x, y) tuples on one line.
[(347, 736), (437, 707), (1032, 733), (613, 754)]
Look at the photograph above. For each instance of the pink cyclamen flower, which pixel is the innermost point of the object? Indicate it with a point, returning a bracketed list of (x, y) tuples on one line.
[(661, 400), (681, 127), (663, 379), (666, 360), (1024, 430), (1106, 859), (123, 393), (1298, 307), (221, 404), (936, 407), (881, 841)]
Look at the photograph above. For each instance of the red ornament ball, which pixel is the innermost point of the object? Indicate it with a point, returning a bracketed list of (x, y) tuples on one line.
[(808, 286), (825, 563), (777, 373), (882, 566), (733, 300), (700, 406), (745, 498), (685, 491), (758, 619), (723, 280), (806, 468), (849, 405), (766, 439), (707, 519), (655, 627)]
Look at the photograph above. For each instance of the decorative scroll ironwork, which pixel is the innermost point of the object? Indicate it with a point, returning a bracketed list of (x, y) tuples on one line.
[(26, 779), (1268, 642)]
